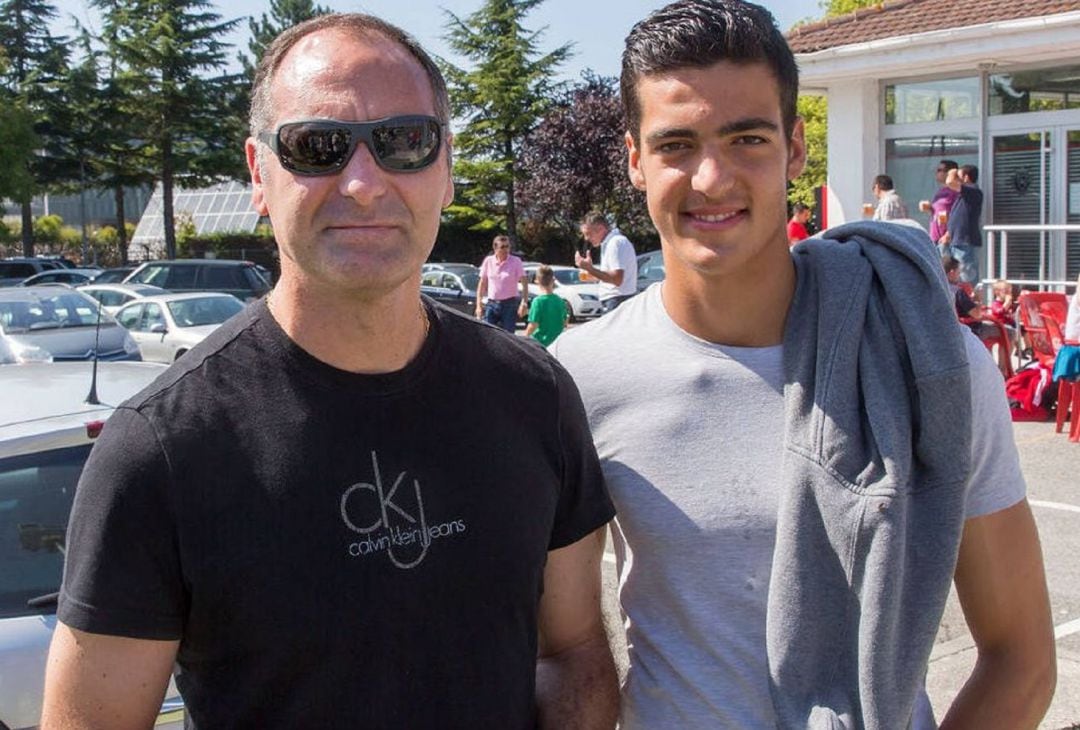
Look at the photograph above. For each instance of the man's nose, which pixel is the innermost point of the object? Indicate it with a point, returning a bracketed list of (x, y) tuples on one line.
[(362, 179), (712, 175)]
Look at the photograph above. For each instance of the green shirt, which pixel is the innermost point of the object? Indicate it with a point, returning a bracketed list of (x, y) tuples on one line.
[(549, 312)]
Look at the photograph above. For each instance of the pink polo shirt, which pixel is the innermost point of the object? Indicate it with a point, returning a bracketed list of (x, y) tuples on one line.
[(502, 278)]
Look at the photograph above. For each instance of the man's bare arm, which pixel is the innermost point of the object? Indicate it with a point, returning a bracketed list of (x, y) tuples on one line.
[(102, 682), (1002, 590), (576, 683)]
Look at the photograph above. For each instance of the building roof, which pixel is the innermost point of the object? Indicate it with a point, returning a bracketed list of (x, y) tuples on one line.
[(909, 17)]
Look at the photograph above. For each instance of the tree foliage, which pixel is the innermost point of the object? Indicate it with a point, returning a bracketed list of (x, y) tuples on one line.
[(284, 14), (17, 144), (574, 161), (833, 8), (34, 60), (170, 51), (814, 113), (501, 98)]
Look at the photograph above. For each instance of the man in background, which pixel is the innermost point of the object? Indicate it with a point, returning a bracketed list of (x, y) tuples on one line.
[(617, 271), (501, 273), (796, 227), (964, 232), (939, 206), (890, 206)]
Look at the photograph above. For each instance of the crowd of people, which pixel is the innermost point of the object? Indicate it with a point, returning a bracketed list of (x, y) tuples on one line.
[(341, 542)]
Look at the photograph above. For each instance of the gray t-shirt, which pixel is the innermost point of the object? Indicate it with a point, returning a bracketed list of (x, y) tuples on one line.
[(690, 439)]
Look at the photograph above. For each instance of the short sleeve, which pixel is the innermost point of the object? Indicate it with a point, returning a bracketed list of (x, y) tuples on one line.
[(626, 255), (996, 481), (122, 572), (584, 504)]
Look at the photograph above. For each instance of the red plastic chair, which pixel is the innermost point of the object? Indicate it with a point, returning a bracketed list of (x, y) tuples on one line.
[(1043, 316)]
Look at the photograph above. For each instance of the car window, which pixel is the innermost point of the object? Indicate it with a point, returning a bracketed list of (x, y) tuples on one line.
[(152, 274), (152, 315), (207, 310), (12, 270), (471, 280), (181, 277), (568, 276), (111, 298), (52, 311), (35, 499), (222, 277), (129, 316), (432, 278)]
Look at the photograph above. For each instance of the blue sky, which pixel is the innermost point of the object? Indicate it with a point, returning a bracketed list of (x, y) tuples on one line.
[(595, 27)]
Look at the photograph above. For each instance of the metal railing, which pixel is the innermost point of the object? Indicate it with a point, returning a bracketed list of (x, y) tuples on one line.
[(1042, 282)]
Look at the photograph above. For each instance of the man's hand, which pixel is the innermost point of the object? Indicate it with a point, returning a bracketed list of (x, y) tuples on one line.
[(584, 262)]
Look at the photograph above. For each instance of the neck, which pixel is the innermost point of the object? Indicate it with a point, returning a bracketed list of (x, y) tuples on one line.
[(360, 332), (742, 309)]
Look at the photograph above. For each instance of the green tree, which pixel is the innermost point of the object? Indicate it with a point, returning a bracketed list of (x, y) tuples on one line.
[(17, 144), (284, 14), (169, 50), (34, 60), (834, 8), (501, 98), (814, 113)]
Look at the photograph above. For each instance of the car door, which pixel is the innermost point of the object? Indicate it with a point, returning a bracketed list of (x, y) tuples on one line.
[(155, 329)]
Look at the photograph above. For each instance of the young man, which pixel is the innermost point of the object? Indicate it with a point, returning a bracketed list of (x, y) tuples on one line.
[(963, 234), (617, 271), (796, 227), (501, 274), (797, 445), (297, 514)]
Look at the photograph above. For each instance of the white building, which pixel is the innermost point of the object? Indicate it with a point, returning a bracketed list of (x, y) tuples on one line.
[(994, 83)]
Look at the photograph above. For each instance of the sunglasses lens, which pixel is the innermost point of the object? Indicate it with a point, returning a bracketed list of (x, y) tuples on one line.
[(406, 145), (313, 147)]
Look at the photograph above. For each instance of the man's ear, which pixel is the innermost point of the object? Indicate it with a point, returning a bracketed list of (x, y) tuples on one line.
[(633, 163), (796, 150), (258, 195)]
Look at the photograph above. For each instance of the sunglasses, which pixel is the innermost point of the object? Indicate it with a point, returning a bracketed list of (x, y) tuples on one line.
[(312, 147)]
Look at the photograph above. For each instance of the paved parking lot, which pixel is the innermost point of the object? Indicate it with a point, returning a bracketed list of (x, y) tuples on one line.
[(1052, 467)]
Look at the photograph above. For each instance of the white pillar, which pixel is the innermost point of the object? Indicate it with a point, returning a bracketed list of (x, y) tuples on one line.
[(856, 151)]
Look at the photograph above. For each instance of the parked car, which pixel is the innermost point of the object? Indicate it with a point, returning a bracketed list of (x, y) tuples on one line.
[(454, 268), (239, 278), (14, 271), (46, 431), (581, 297), (57, 322), (72, 277), (113, 296), (167, 325), (650, 269), (452, 289), (114, 275)]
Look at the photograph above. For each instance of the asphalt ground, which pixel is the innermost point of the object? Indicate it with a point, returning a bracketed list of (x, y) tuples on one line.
[(1051, 465)]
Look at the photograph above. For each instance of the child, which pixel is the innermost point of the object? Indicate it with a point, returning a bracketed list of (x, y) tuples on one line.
[(1067, 362), (972, 314), (547, 314), (1004, 305)]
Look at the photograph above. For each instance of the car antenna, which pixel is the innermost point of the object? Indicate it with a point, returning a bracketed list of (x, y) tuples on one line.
[(91, 397)]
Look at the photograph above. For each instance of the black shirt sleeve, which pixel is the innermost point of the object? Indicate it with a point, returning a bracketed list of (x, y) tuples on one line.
[(122, 572), (584, 504)]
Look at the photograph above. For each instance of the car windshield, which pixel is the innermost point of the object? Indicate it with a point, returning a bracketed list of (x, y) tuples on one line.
[(471, 280), (56, 309), (204, 310), (35, 498), (568, 276)]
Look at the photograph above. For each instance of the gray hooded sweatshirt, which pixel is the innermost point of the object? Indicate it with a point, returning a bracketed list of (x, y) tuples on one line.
[(877, 453)]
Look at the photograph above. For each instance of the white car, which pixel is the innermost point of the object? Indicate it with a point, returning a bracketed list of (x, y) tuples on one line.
[(113, 296), (581, 297), (166, 326), (46, 431)]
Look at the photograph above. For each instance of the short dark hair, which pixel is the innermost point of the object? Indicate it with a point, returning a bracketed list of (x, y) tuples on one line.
[(949, 263), (949, 164), (545, 276), (799, 208), (971, 172), (884, 182), (358, 25), (699, 33)]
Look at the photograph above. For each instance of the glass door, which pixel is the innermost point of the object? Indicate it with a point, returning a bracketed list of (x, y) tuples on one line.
[(1072, 203), (1021, 195)]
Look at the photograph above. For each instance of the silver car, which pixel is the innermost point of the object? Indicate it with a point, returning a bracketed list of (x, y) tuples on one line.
[(58, 323), (113, 296), (46, 431), (168, 325)]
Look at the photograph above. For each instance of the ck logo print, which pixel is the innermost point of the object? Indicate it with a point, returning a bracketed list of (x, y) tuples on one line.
[(391, 522)]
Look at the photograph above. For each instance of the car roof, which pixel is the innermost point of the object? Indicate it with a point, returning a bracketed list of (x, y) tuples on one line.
[(32, 293), (50, 398), (197, 262), (143, 289), (179, 296)]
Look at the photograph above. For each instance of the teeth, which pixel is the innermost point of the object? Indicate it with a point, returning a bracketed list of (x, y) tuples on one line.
[(714, 218)]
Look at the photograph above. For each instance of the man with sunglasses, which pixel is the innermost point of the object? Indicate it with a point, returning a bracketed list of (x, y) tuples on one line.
[(296, 513), (500, 275)]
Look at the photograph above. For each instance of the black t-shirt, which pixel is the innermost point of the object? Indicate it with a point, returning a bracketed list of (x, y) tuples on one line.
[(338, 550), (963, 225)]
